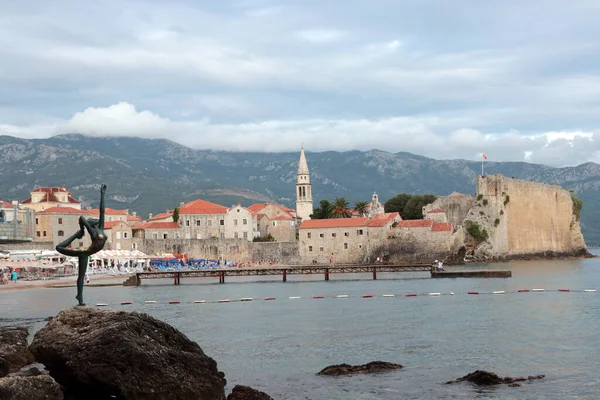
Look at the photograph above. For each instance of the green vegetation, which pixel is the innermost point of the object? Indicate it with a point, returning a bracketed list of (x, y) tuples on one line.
[(323, 211), (497, 222), (267, 238), (473, 229), (485, 202), (361, 208), (506, 200), (501, 212), (176, 214), (479, 197), (410, 206), (341, 208), (577, 206)]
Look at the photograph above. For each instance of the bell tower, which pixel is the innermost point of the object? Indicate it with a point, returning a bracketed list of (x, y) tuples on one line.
[(304, 202)]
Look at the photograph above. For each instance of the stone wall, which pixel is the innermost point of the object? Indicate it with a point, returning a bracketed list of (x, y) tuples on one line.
[(227, 249), (457, 206), (525, 218), (36, 245)]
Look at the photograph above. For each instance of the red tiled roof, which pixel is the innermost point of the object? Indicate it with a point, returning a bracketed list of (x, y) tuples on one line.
[(256, 207), (6, 204), (109, 211), (49, 195), (333, 223), (415, 223), (442, 227), (111, 224), (161, 216), (382, 219), (64, 210), (260, 216), (436, 210), (157, 225), (132, 218), (202, 207)]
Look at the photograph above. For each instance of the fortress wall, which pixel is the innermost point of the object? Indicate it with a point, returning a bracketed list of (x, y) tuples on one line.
[(537, 217)]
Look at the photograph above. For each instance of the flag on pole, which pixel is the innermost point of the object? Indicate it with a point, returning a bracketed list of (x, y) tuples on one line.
[(484, 156)]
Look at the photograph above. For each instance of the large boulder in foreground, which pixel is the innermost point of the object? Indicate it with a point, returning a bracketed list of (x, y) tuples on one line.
[(96, 354), (485, 378), (247, 393), (14, 353), (372, 367), (40, 387)]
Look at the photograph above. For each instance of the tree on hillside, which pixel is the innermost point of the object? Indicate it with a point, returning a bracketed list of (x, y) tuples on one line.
[(361, 207), (176, 214), (341, 208), (409, 206), (323, 211)]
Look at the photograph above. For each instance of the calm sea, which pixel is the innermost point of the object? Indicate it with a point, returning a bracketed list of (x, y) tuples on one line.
[(279, 346)]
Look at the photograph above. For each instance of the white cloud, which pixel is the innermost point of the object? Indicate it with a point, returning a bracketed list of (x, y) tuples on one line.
[(320, 35)]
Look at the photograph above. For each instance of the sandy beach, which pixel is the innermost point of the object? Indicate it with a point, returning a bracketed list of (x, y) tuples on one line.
[(64, 282)]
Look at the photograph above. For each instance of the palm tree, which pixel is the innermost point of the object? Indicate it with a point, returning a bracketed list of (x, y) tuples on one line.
[(362, 208), (341, 208)]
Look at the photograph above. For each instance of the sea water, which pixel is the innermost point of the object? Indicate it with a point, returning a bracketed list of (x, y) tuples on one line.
[(278, 346)]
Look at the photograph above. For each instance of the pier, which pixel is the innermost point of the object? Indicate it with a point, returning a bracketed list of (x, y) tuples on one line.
[(480, 273), (282, 271)]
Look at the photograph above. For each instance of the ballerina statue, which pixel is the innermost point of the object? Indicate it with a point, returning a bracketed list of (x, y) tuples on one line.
[(95, 228)]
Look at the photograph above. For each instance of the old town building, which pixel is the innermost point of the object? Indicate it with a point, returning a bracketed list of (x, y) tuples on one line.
[(118, 234), (56, 224), (274, 219), (43, 198), (304, 201)]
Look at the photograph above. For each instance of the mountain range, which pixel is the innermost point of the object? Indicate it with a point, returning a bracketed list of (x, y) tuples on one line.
[(153, 175)]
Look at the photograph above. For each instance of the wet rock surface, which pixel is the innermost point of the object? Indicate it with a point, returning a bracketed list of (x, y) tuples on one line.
[(485, 378), (372, 367), (96, 354), (38, 387), (247, 393), (14, 353)]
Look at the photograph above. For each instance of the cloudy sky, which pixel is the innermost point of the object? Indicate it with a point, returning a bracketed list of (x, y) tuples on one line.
[(514, 79)]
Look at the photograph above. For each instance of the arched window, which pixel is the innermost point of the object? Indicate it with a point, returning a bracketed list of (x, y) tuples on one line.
[(61, 233)]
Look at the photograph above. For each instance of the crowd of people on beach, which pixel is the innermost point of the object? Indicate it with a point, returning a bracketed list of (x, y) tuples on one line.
[(11, 276)]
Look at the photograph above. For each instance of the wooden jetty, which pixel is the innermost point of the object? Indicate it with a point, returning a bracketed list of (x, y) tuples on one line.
[(282, 271), (480, 273)]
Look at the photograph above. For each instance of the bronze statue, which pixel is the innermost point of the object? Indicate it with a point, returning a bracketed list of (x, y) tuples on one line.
[(95, 228)]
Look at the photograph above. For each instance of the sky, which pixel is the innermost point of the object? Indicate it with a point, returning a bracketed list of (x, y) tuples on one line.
[(515, 80)]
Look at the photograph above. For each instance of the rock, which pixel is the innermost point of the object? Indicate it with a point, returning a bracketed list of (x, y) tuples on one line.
[(96, 354), (247, 393), (40, 387), (485, 378), (14, 354), (372, 367)]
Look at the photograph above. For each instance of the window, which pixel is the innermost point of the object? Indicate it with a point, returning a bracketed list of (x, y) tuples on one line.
[(165, 235), (125, 235), (322, 235), (118, 246), (44, 234), (37, 234), (360, 246), (60, 221), (238, 210), (187, 222), (133, 246), (155, 236), (235, 235), (309, 248), (308, 235), (61, 233), (37, 221), (245, 235), (346, 246), (198, 236), (320, 249), (333, 234), (274, 223), (118, 235), (80, 244), (292, 223), (245, 221), (222, 222), (198, 222), (209, 222), (222, 236), (235, 221), (346, 234), (110, 218), (359, 232)]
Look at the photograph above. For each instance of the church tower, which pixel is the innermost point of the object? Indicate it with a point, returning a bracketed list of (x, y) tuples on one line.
[(304, 202)]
